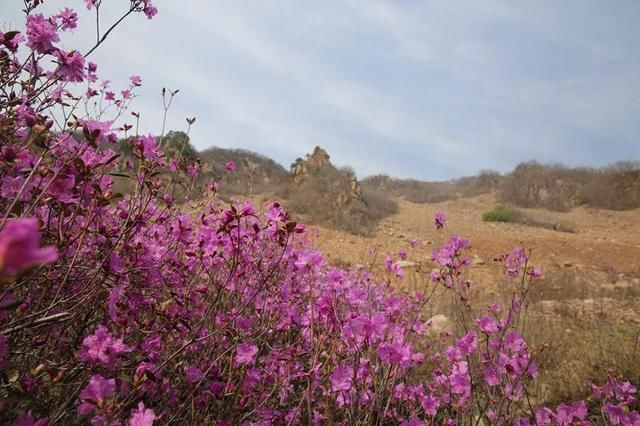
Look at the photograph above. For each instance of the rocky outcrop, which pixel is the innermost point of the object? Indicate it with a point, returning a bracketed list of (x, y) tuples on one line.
[(331, 196), (316, 170), (316, 161)]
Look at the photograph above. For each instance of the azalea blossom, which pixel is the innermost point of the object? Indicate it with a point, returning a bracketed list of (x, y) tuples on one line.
[(69, 19), (70, 65), (41, 33), (97, 390), (246, 353), (102, 348), (439, 220), (20, 247), (142, 416)]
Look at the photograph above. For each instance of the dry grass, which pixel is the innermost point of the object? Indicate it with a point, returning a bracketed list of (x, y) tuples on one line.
[(588, 326)]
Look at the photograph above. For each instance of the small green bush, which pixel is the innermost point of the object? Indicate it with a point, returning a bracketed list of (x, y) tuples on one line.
[(504, 213), (501, 213)]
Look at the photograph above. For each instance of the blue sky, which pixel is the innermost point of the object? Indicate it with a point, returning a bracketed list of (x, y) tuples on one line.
[(421, 89)]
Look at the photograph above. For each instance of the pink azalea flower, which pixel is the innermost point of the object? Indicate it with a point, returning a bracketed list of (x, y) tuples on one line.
[(439, 220), (62, 188), (146, 147), (69, 19), (246, 354), (514, 262), (90, 3), (230, 166), (491, 377), (487, 325), (247, 209), (544, 416), (535, 273), (70, 65), (150, 11), (402, 254), (29, 420), (193, 170), (102, 348), (96, 131), (41, 33), (414, 242), (616, 413), (468, 343), (97, 390), (135, 80), (341, 379), (395, 353), (430, 405), (11, 40), (142, 416), (19, 247), (361, 328), (193, 374)]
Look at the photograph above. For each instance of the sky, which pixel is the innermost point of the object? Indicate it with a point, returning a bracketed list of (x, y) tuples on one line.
[(425, 89)]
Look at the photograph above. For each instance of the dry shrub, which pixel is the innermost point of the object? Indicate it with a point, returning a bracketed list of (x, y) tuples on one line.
[(324, 198), (589, 330), (421, 192), (378, 205), (254, 173), (616, 187), (559, 188), (581, 351)]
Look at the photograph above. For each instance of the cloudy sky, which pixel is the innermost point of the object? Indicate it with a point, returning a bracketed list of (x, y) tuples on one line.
[(422, 89)]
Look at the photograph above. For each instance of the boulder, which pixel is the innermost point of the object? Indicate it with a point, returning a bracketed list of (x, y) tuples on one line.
[(440, 323)]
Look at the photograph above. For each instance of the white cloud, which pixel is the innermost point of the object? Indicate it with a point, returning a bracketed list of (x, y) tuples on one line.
[(422, 89)]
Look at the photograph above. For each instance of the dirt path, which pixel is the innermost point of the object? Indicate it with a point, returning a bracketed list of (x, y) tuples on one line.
[(601, 237)]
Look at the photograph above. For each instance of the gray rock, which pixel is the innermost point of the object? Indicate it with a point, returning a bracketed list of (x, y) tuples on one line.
[(440, 323), (477, 261)]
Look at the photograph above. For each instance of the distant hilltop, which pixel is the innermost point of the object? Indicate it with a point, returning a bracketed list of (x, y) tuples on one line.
[(314, 188)]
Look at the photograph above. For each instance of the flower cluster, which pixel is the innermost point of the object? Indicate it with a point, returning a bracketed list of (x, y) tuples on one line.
[(146, 309)]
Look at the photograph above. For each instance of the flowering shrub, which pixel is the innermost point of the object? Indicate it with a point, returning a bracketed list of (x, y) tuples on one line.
[(127, 310)]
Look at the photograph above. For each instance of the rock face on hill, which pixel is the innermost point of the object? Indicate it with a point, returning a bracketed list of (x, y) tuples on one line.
[(317, 160), (327, 195), (314, 188), (317, 168)]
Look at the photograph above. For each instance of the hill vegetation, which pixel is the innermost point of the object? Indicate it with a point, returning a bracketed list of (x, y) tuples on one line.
[(555, 187), (325, 195), (418, 191)]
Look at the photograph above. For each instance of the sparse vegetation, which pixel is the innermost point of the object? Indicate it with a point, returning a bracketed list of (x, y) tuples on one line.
[(434, 192), (332, 197), (560, 188), (254, 173), (504, 213)]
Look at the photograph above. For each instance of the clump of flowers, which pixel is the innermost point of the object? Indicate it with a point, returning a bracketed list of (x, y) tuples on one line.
[(137, 309)]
